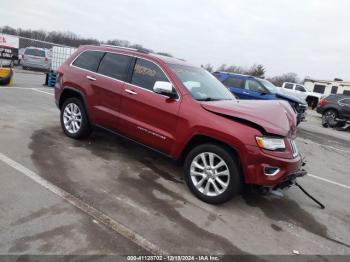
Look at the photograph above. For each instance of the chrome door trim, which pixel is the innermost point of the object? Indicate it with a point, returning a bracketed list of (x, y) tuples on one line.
[(91, 78), (130, 92)]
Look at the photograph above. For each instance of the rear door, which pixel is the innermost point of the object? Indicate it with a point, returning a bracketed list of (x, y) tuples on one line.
[(82, 76), (235, 85), (35, 57), (113, 71), (301, 91), (148, 117)]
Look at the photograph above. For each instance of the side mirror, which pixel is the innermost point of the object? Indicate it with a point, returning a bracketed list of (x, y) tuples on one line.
[(164, 88)]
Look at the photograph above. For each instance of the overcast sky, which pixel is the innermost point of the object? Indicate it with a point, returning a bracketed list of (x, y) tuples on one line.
[(309, 37)]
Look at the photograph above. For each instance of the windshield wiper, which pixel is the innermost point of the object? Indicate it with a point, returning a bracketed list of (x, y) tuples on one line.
[(212, 99), (207, 99)]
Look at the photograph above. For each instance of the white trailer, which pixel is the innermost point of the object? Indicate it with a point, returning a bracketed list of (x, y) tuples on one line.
[(59, 55), (328, 87)]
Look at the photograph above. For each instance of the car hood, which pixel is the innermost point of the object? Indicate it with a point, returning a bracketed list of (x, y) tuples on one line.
[(292, 98), (272, 116)]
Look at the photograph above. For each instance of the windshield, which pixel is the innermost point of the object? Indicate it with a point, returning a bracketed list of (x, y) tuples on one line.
[(269, 86), (202, 85)]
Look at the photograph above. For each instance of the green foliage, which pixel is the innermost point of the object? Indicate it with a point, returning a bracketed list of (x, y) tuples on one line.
[(257, 71)]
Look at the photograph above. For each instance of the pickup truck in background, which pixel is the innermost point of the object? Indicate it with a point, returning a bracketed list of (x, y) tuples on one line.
[(301, 91)]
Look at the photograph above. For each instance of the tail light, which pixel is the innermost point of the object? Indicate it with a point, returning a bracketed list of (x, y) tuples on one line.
[(46, 60), (59, 76), (60, 70), (323, 102)]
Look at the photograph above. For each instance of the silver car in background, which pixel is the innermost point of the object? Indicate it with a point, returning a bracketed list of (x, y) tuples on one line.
[(36, 58)]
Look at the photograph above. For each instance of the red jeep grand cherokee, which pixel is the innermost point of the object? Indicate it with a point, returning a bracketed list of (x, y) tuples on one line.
[(185, 113)]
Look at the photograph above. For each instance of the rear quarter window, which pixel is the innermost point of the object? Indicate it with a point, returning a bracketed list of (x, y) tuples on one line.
[(89, 60)]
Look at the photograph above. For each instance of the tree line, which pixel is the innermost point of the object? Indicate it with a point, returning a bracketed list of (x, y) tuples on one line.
[(72, 39)]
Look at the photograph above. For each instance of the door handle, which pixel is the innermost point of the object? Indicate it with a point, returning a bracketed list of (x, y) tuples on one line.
[(246, 93), (130, 92), (91, 78)]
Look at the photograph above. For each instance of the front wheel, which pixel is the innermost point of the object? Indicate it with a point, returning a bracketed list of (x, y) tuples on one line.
[(74, 119), (212, 174)]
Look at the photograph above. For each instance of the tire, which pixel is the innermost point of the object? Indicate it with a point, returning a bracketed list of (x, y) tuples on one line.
[(232, 182), (314, 104), (329, 117), (78, 115)]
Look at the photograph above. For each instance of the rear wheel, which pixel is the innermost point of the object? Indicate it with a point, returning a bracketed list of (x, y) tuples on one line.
[(212, 174), (329, 117), (74, 119)]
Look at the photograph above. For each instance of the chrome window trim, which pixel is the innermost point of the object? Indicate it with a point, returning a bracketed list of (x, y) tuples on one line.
[(121, 81)]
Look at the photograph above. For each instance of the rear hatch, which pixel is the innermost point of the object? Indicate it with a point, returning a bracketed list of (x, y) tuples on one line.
[(35, 56)]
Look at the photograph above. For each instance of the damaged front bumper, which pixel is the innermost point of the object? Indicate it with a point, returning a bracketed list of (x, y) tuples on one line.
[(289, 180)]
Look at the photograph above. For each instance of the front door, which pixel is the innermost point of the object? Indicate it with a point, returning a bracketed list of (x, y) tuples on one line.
[(254, 90), (148, 117), (236, 86)]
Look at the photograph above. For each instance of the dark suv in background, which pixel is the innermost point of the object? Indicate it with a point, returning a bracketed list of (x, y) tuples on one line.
[(250, 87), (335, 110)]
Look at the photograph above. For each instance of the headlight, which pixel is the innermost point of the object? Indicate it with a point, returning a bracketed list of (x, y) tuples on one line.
[(270, 143)]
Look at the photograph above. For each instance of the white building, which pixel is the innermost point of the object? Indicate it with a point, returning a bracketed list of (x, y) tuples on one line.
[(328, 87)]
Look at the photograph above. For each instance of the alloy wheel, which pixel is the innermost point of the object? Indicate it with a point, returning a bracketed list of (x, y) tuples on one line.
[(72, 118), (209, 174)]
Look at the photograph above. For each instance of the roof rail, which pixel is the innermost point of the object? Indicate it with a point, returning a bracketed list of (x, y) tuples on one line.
[(120, 47), (232, 73)]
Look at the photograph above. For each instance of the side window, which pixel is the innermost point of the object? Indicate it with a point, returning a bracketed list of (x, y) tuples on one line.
[(300, 88), (319, 89), (234, 82), (146, 74), (89, 60), (35, 52), (115, 65), (253, 85), (346, 92), (334, 90), (288, 86)]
